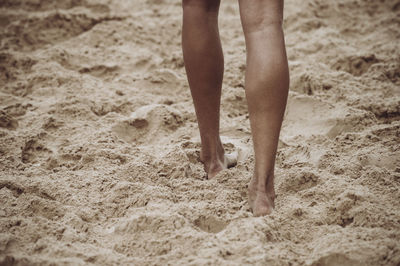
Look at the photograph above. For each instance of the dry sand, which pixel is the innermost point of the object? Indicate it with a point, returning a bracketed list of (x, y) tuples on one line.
[(99, 140)]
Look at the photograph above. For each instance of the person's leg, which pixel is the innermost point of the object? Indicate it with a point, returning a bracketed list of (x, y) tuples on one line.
[(266, 84), (204, 63)]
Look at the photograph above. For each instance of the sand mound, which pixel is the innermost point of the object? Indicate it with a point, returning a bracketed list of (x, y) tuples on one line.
[(99, 145)]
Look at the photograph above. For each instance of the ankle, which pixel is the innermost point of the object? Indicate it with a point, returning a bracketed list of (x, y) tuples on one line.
[(213, 161), (262, 182), (212, 151)]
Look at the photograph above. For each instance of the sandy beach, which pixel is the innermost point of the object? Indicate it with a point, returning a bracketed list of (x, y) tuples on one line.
[(99, 143)]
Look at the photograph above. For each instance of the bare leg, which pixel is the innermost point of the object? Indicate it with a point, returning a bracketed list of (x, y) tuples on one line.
[(267, 82), (204, 65)]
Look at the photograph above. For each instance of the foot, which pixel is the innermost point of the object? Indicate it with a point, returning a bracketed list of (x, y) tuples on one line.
[(262, 195), (215, 165)]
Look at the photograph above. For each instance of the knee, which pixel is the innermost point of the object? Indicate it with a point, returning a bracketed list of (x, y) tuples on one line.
[(201, 5), (257, 15)]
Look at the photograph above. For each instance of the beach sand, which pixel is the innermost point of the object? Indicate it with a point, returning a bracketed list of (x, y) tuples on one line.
[(99, 142)]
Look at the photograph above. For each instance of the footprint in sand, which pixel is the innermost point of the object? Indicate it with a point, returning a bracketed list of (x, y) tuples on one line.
[(12, 65), (307, 116), (152, 222), (34, 151), (300, 181), (210, 224), (54, 27), (355, 64), (7, 121), (101, 71), (334, 259), (149, 123)]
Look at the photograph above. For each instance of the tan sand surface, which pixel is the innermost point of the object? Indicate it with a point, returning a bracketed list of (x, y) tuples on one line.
[(99, 141)]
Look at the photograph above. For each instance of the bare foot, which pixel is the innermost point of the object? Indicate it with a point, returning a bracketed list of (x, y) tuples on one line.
[(214, 166), (262, 195)]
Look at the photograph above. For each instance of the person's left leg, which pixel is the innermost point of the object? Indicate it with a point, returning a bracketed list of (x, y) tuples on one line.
[(267, 85), (204, 63)]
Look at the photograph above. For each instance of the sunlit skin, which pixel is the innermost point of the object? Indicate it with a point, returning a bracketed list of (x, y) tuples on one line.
[(266, 86)]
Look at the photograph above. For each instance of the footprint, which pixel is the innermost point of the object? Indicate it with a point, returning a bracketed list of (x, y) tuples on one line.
[(307, 116), (336, 259), (235, 102), (355, 65), (300, 181), (15, 189), (210, 224), (17, 109), (51, 210), (100, 71), (345, 209), (163, 76), (6, 121), (34, 151), (38, 30), (386, 110), (388, 70), (52, 123), (151, 222), (161, 227), (309, 84), (12, 65), (149, 123)]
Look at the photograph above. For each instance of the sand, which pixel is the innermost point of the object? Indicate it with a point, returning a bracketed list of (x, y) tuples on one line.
[(99, 143)]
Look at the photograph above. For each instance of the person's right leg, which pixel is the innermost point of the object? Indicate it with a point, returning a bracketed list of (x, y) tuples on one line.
[(204, 65), (266, 84)]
